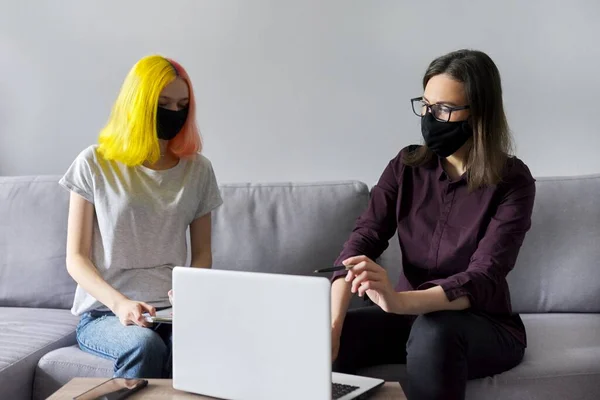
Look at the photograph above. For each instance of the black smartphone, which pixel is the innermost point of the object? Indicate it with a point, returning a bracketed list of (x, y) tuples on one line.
[(113, 389)]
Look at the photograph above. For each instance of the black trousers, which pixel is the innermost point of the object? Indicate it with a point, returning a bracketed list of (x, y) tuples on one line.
[(441, 350)]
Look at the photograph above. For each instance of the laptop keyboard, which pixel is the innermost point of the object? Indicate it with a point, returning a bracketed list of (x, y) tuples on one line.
[(340, 390)]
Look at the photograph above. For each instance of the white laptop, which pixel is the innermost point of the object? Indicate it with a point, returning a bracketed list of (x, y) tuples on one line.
[(256, 336)]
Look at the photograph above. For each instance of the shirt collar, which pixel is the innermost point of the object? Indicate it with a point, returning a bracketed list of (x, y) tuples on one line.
[(442, 175)]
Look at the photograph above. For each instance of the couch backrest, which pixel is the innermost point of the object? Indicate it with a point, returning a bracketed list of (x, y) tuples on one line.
[(287, 228), (558, 269), (33, 234), (295, 228)]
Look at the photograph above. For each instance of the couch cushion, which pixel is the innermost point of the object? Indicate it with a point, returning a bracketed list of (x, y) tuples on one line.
[(26, 334), (33, 235), (58, 367), (286, 228), (557, 269), (562, 361)]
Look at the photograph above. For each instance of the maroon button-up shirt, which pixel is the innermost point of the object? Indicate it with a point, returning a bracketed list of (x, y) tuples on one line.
[(465, 242)]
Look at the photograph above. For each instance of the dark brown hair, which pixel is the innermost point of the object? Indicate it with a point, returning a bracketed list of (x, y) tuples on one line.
[(491, 142)]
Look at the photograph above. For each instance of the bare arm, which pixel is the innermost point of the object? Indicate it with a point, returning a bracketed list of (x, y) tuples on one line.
[(200, 238), (368, 277), (201, 243), (79, 243), (340, 300), (419, 302)]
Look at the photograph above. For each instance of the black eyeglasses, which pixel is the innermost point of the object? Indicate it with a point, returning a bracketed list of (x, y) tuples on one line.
[(440, 112)]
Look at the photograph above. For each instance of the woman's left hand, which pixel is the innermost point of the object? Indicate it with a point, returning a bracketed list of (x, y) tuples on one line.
[(370, 278)]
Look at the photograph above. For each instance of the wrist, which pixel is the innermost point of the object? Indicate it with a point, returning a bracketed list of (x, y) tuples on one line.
[(115, 301), (399, 305)]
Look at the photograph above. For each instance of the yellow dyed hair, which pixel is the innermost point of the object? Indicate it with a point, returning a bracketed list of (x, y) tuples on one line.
[(130, 134)]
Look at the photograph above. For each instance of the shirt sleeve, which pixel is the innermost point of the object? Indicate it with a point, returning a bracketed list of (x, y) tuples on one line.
[(496, 252), (210, 196), (377, 224), (79, 176)]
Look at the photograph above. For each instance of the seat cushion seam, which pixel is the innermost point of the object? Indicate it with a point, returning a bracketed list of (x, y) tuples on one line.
[(37, 350), (76, 364)]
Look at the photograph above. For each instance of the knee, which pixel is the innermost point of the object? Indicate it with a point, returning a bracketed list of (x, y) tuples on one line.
[(152, 342), (436, 333), (143, 354), (435, 353), (145, 346)]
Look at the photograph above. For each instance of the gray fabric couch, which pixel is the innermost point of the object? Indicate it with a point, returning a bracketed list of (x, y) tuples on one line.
[(293, 228)]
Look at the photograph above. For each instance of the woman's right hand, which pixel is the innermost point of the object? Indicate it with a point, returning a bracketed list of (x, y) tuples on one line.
[(130, 312)]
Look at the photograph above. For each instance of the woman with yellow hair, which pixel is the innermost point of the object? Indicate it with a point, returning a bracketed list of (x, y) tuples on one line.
[(133, 197)]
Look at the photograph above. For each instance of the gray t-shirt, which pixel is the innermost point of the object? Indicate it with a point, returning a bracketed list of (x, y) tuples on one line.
[(141, 221)]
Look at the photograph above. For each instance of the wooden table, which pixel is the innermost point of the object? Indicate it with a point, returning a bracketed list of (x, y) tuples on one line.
[(163, 389)]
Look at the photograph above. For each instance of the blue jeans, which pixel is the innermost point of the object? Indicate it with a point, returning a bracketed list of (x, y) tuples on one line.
[(135, 351)]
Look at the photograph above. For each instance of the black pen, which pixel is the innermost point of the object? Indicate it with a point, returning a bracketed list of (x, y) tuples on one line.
[(333, 269)]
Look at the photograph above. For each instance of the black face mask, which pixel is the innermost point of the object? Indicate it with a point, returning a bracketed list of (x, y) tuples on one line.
[(444, 138), (169, 122)]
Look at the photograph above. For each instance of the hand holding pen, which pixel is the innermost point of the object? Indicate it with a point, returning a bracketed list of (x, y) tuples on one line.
[(368, 277)]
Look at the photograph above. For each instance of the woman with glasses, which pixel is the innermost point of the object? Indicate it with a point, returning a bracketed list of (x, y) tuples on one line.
[(461, 205)]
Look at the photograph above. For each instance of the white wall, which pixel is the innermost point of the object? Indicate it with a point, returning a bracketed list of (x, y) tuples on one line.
[(296, 90)]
